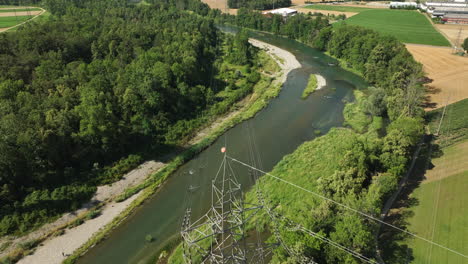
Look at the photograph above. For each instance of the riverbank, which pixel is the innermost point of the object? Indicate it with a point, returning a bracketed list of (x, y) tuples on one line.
[(84, 236)]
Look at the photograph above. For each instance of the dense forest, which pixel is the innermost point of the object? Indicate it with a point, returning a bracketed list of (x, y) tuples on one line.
[(259, 4), (85, 94)]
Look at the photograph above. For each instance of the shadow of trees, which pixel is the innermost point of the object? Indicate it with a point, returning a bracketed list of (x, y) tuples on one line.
[(393, 243)]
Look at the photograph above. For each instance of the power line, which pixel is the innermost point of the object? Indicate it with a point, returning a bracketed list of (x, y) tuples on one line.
[(348, 208)]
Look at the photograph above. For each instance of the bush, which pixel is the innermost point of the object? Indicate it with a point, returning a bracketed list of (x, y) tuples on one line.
[(76, 223), (115, 172), (93, 214), (149, 238), (465, 44)]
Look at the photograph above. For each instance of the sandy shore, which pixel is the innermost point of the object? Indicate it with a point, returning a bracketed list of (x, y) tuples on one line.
[(56, 249), (287, 61), (321, 82)]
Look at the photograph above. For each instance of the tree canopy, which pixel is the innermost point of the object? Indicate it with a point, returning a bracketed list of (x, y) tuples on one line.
[(97, 81)]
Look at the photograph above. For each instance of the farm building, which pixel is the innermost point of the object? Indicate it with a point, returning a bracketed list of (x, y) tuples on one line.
[(403, 4), (453, 12), (285, 12), (455, 19)]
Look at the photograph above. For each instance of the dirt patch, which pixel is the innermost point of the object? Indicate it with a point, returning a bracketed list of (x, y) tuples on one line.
[(221, 5), (325, 12), (452, 163), (451, 31), (23, 13), (449, 72)]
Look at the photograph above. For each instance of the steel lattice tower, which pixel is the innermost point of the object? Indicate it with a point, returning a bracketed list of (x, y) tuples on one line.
[(219, 236)]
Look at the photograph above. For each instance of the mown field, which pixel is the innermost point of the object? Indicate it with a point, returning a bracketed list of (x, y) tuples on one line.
[(440, 213), (338, 8), (457, 117), (407, 26), (13, 20)]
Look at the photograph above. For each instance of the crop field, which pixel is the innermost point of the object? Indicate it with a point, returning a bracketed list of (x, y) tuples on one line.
[(6, 22), (407, 26), (448, 72), (338, 8)]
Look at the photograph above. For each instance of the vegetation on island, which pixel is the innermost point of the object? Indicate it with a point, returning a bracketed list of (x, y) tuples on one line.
[(258, 4), (89, 93), (465, 45), (311, 86)]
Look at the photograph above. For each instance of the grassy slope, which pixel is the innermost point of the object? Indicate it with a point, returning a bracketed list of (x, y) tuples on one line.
[(11, 21), (338, 8), (448, 197), (407, 26)]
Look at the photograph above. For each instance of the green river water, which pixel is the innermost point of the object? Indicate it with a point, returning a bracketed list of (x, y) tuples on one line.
[(279, 129)]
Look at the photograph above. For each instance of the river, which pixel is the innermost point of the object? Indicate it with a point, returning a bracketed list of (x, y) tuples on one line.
[(279, 129)]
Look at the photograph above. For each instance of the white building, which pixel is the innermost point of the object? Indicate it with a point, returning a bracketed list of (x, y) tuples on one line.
[(285, 12), (403, 4)]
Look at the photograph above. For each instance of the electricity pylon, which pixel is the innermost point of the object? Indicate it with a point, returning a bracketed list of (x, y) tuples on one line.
[(219, 235)]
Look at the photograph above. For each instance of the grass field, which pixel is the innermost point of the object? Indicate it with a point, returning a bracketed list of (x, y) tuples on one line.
[(338, 8), (407, 26), (457, 115), (19, 10), (11, 21), (441, 214)]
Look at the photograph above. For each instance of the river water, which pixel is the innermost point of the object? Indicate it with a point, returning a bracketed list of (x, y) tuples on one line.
[(279, 129)]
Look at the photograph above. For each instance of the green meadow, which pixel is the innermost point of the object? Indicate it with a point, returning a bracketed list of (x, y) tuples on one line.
[(407, 26), (11, 21)]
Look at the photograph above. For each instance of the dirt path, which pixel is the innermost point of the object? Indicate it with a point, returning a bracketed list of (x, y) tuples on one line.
[(55, 250), (22, 13), (38, 14), (449, 72)]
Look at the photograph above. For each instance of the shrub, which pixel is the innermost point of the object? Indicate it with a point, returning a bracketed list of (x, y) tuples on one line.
[(93, 214), (149, 238)]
